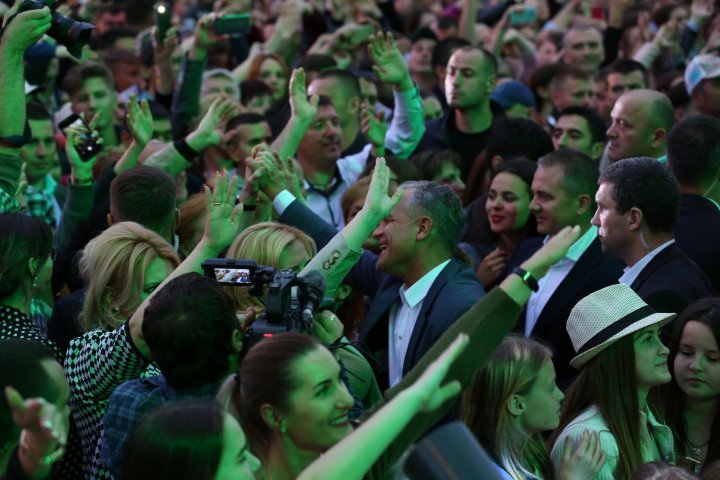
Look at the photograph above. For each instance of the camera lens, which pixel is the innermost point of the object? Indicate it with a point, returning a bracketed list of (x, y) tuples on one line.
[(71, 33)]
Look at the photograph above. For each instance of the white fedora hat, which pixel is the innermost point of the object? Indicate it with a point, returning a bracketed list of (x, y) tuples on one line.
[(604, 317)]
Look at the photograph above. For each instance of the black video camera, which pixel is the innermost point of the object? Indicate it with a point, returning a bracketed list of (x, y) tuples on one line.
[(282, 312), (74, 35)]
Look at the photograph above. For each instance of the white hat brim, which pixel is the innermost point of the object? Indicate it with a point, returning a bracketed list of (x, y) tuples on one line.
[(661, 318)]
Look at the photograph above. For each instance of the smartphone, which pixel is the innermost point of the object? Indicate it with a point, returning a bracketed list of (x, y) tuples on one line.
[(88, 146), (228, 271), (523, 16), (162, 20), (232, 24)]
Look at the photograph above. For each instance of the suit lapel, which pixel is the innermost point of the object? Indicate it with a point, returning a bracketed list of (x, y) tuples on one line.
[(568, 288), (666, 254)]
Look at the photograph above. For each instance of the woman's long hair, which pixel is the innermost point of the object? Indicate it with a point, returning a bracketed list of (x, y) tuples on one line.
[(511, 370), (609, 381), (669, 399)]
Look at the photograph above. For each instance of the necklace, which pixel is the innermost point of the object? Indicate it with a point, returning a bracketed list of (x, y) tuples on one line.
[(695, 450)]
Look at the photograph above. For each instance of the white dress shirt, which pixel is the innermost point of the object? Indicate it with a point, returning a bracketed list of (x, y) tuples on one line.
[(557, 273), (403, 315), (631, 273)]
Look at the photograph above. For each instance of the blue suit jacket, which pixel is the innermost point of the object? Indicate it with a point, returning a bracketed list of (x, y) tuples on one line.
[(452, 293)]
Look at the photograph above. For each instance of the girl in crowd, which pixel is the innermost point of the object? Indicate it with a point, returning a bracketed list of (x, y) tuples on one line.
[(123, 266), (620, 358), (508, 212), (199, 441), (692, 400), (26, 261), (271, 69), (520, 380)]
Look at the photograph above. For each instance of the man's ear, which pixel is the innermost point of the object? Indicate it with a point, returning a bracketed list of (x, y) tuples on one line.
[(110, 219), (659, 137), (516, 405), (354, 105), (635, 218), (584, 202), (425, 225), (496, 161)]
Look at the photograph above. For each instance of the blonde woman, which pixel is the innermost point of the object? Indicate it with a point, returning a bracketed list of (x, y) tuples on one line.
[(511, 401), (123, 266)]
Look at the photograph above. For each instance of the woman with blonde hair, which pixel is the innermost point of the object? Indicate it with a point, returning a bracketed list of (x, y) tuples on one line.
[(271, 244), (511, 401), (123, 266)]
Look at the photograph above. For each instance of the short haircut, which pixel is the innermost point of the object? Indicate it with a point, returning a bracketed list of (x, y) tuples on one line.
[(250, 89), (81, 72), (625, 66), (489, 60), (647, 184), (444, 49), (566, 73), (145, 195), (348, 81), (518, 137), (221, 73), (188, 327), (581, 27), (580, 171), (693, 150), (439, 203), (21, 367), (37, 111), (248, 118), (429, 163), (595, 122), (316, 62)]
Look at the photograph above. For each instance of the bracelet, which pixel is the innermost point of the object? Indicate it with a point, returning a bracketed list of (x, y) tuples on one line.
[(185, 150), (42, 460), (527, 278)]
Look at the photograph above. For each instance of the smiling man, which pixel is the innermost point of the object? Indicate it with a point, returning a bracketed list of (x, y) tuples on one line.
[(563, 190), (637, 203)]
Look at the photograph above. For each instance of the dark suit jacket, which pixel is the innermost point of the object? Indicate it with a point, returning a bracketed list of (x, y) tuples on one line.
[(452, 293), (593, 271), (671, 281), (696, 230)]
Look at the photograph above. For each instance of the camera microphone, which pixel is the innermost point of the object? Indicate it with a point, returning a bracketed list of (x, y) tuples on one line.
[(311, 293)]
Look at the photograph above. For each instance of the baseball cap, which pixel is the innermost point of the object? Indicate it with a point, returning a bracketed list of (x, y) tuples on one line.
[(700, 68), (511, 93)]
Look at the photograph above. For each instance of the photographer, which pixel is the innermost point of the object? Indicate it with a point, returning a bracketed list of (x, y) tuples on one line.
[(19, 33)]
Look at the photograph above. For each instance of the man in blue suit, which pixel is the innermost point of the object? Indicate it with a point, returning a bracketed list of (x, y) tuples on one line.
[(418, 288)]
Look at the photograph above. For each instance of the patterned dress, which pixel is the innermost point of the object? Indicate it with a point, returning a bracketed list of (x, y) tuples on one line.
[(15, 324)]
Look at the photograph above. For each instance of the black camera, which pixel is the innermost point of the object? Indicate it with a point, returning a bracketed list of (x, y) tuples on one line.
[(283, 313), (74, 35)]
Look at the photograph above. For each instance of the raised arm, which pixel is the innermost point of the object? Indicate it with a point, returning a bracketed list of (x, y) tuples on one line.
[(303, 112)]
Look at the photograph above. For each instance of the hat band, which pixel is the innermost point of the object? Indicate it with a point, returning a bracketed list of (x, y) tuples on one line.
[(616, 327)]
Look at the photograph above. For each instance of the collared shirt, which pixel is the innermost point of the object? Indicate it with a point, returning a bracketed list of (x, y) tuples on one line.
[(403, 315), (42, 202), (403, 135), (631, 273), (128, 404), (555, 276)]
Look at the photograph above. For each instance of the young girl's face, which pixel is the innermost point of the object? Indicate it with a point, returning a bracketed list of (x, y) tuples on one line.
[(650, 357), (542, 402), (697, 363)]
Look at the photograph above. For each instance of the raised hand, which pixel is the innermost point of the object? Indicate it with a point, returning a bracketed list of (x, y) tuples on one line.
[(327, 327), (390, 66), (223, 216), (140, 120), (701, 10), (583, 462), (553, 251), (374, 127), (429, 389), (300, 105), (377, 202), (209, 131), (22, 30), (38, 416)]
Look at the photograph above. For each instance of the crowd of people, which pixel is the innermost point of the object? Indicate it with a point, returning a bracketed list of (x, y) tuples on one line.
[(291, 239)]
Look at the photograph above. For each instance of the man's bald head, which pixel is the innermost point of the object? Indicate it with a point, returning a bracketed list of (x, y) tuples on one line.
[(641, 120)]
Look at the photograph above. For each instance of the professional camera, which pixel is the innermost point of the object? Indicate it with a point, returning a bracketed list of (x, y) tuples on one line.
[(282, 312), (66, 31)]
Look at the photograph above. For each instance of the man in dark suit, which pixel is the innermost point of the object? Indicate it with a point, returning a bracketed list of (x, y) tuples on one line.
[(563, 190), (693, 152), (637, 203), (417, 288)]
